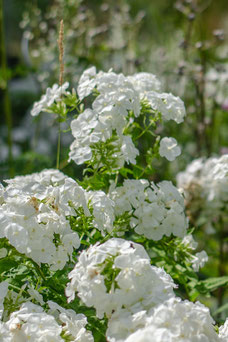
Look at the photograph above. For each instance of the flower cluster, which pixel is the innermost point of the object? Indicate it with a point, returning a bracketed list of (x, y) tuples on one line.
[(116, 278), (33, 216), (102, 209), (193, 323), (205, 185), (34, 213), (118, 102), (155, 210), (32, 323), (52, 94), (116, 275)]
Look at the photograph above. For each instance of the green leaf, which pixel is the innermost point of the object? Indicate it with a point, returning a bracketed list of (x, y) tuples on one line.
[(221, 309), (7, 264), (212, 284), (125, 171)]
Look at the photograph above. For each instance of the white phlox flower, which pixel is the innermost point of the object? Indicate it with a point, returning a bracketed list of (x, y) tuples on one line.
[(199, 260), (73, 325), (117, 103), (31, 323), (34, 213), (87, 82), (128, 150), (177, 321), (117, 274), (144, 82), (155, 210), (52, 94), (124, 322), (171, 107), (103, 210)]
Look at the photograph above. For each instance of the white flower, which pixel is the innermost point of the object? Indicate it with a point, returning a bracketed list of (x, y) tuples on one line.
[(52, 94), (73, 324), (171, 107), (32, 323), (114, 109), (177, 321), (124, 322), (80, 154), (17, 236), (133, 279), (128, 149), (199, 260), (223, 331), (35, 211), (87, 82), (189, 241), (154, 210), (174, 224), (144, 82), (169, 148), (149, 218), (103, 210)]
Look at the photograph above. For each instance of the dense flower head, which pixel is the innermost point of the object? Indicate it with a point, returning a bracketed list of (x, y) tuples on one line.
[(177, 321), (125, 322), (205, 185), (103, 210), (117, 103), (117, 274), (32, 323), (144, 82), (155, 210), (171, 107), (34, 215)]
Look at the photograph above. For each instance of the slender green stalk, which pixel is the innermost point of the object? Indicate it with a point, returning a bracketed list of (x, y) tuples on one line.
[(61, 72), (221, 266), (4, 88)]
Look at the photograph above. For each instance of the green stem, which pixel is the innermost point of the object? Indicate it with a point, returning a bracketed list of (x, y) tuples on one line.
[(4, 86), (39, 271), (144, 131), (221, 266)]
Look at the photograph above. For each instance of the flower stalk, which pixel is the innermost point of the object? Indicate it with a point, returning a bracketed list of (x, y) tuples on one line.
[(61, 72)]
